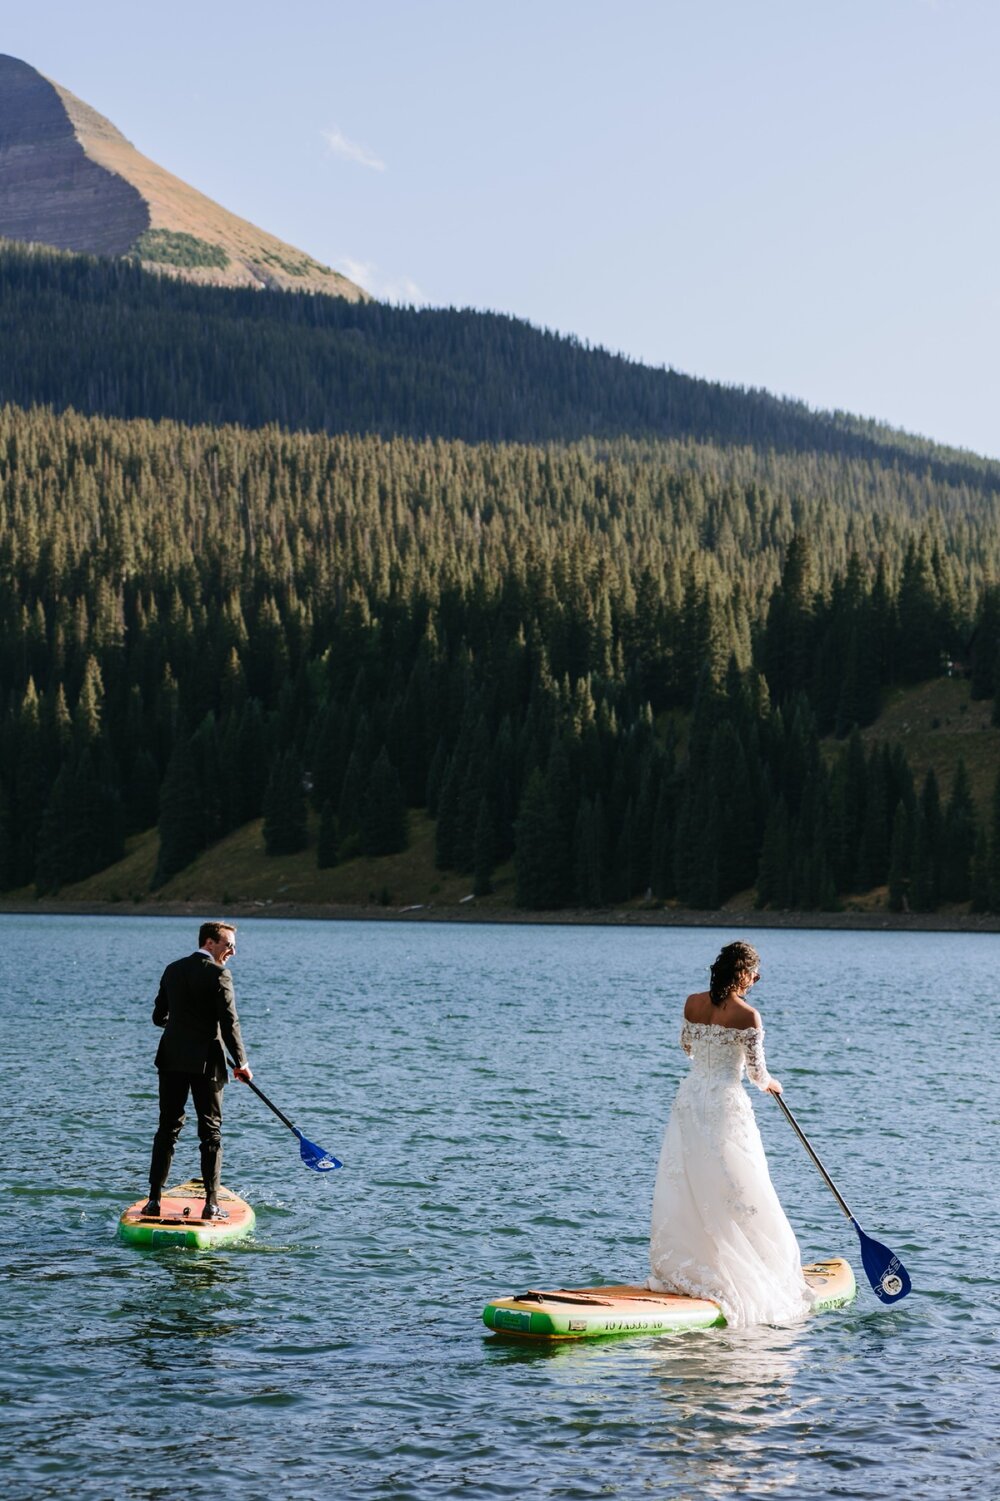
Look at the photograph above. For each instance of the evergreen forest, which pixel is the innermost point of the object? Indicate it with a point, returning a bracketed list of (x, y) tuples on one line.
[(635, 666), (106, 336)]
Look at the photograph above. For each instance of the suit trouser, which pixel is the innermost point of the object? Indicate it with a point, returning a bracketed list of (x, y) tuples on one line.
[(206, 1092)]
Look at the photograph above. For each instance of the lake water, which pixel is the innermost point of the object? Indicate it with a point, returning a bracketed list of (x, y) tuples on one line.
[(498, 1095)]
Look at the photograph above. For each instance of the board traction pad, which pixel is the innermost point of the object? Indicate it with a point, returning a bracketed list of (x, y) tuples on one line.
[(179, 1222)]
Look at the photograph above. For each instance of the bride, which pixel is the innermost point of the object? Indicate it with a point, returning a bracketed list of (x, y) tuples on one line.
[(718, 1230)]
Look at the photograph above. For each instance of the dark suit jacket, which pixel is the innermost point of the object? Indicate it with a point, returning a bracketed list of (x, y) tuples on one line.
[(196, 1007)]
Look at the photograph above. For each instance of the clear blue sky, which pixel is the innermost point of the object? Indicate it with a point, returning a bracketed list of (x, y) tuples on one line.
[(796, 194)]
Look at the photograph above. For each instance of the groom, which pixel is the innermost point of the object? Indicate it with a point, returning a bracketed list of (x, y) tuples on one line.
[(196, 1007)]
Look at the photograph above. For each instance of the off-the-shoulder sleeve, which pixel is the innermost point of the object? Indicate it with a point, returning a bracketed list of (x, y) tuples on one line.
[(686, 1037), (753, 1050)]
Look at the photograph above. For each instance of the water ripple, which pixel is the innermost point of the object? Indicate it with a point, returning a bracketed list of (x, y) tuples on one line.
[(498, 1095)]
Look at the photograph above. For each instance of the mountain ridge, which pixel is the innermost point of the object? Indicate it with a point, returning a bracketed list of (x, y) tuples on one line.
[(71, 183), (322, 364), (71, 180)]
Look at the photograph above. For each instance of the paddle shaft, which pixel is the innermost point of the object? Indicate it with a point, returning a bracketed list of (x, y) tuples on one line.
[(269, 1103), (803, 1138)]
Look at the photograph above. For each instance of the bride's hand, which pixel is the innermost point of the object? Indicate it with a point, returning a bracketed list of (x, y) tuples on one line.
[(773, 1086)]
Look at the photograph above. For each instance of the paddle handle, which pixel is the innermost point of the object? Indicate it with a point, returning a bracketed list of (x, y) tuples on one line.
[(803, 1138), (269, 1103)]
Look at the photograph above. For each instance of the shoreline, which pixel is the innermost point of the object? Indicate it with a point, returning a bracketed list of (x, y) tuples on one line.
[(670, 917)]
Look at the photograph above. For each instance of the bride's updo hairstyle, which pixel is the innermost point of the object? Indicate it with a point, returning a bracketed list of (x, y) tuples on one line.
[(736, 962)]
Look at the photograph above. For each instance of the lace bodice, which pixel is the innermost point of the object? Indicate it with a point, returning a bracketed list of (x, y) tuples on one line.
[(721, 1053)]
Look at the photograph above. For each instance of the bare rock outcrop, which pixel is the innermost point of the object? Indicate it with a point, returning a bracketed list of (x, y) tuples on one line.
[(51, 191), (70, 179)]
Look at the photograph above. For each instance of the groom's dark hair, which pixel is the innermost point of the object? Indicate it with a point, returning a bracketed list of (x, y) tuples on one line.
[(214, 930)]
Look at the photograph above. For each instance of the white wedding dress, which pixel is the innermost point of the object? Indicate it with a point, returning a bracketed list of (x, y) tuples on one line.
[(718, 1230)]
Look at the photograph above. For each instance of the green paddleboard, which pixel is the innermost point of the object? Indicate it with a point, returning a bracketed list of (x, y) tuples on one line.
[(599, 1312), (179, 1222)]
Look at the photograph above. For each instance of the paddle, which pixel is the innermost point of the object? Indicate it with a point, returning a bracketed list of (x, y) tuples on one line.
[(312, 1155), (888, 1276)]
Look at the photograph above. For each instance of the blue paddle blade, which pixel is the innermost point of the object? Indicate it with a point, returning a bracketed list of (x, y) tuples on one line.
[(314, 1156), (888, 1276)]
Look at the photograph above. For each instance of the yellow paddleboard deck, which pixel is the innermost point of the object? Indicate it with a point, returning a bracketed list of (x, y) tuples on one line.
[(179, 1222), (598, 1312)]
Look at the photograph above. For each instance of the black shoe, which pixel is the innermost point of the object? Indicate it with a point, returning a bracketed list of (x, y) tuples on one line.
[(213, 1212), (151, 1209)]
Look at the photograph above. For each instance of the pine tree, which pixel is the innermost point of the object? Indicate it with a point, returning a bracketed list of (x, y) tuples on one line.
[(253, 759), (142, 796), (503, 790), (8, 850), (643, 822), (351, 797), (562, 796), (922, 896), (921, 636), (82, 829), (537, 851), (661, 853), (446, 831), (29, 791), (205, 749), (328, 759), (773, 871), (873, 856), (181, 821), (993, 861), (286, 827), (587, 843), (959, 839), (623, 873), (89, 707), (986, 646), (383, 811), (435, 777), (483, 854), (476, 759), (326, 844), (979, 886), (685, 851), (900, 855), (855, 808), (703, 889), (789, 634), (928, 848)]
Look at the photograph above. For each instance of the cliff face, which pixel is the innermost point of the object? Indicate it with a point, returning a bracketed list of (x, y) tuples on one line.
[(69, 178), (51, 191)]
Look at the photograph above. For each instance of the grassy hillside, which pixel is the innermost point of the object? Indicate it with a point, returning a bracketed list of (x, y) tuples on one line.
[(236, 871), (937, 724)]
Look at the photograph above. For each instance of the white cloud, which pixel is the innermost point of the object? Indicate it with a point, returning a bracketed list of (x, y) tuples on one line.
[(401, 289), (338, 145), (361, 272)]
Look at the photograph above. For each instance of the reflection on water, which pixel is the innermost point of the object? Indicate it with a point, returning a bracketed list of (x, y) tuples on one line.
[(717, 1404), (730, 1398), (192, 1299)]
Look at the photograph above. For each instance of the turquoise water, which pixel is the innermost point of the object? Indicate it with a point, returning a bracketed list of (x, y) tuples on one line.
[(498, 1095)]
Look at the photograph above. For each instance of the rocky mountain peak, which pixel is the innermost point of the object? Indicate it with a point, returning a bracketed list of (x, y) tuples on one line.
[(70, 179)]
